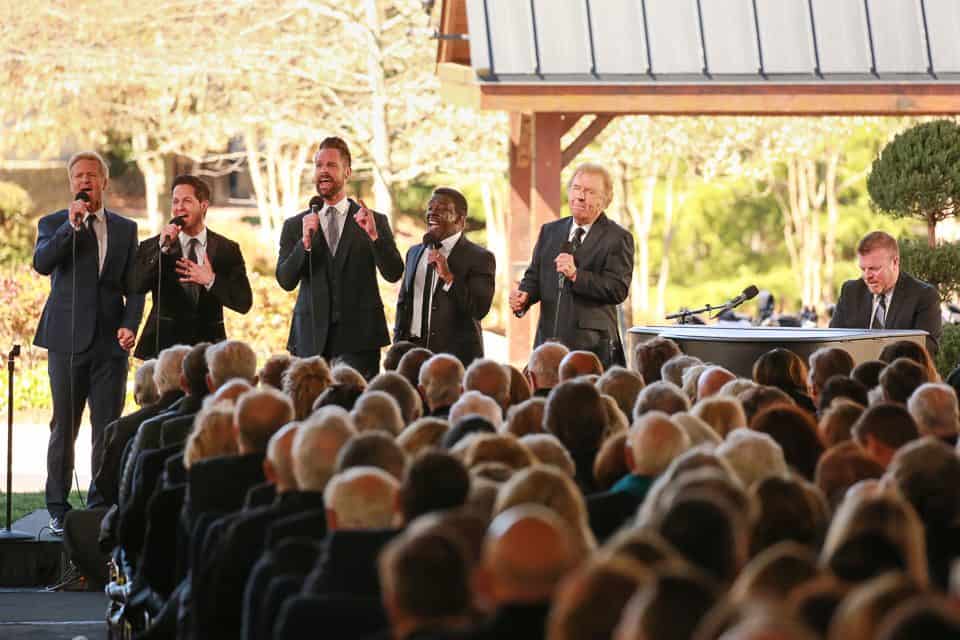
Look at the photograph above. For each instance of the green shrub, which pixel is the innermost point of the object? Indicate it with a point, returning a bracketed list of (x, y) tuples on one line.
[(948, 357), (940, 266), (15, 227)]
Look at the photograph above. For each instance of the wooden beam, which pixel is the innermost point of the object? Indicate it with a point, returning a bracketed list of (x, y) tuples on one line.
[(546, 200), (519, 227), (586, 136), (453, 20)]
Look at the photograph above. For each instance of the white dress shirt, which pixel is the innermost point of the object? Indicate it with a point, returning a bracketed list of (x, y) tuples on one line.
[(446, 246), (573, 230)]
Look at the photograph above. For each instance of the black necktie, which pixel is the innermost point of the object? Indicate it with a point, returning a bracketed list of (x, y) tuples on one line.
[(577, 238), (880, 313), (193, 288), (425, 307), (91, 230)]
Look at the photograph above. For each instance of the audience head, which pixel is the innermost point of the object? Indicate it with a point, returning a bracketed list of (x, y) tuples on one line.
[(672, 370), (900, 379), (423, 433), (610, 465), (543, 367), (882, 429), (361, 498), (762, 397), (468, 425), (145, 390), (697, 429), (836, 422), (434, 481), (213, 435), (169, 368), (230, 359), (825, 363), (576, 415), (396, 351), (712, 380), (841, 467), (735, 387), (476, 403), (927, 472), (617, 421), (272, 371), (317, 446), (259, 413), (340, 395), (304, 381), (661, 396), (526, 418), (861, 613), (925, 616), (668, 607), (934, 408), (527, 552), (195, 371), (345, 375), (753, 456), (373, 449), (653, 443), (912, 351), (623, 385), (867, 373), (548, 450), (691, 379), (411, 362), (498, 448), (783, 369), (796, 433), (411, 407), (228, 392), (652, 354), (520, 390), (841, 387), (377, 411), (278, 464), (489, 378), (788, 511), (441, 381), (722, 413), (579, 363)]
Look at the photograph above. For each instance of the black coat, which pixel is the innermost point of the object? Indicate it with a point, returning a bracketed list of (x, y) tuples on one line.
[(182, 322), (342, 287), (915, 305), (588, 316), (456, 314)]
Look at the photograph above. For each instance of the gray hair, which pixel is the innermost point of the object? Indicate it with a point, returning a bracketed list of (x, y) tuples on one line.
[(145, 390), (362, 498), (598, 170), (231, 359), (377, 411), (544, 363), (753, 456), (934, 406), (672, 370), (476, 402), (169, 368), (441, 387), (661, 396), (655, 442), (317, 445), (88, 155)]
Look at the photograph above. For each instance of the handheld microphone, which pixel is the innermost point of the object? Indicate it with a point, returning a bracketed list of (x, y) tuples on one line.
[(82, 195), (180, 221), (430, 241), (316, 205)]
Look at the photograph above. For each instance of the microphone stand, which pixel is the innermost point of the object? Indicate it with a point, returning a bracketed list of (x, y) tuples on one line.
[(556, 315), (9, 534), (684, 315)]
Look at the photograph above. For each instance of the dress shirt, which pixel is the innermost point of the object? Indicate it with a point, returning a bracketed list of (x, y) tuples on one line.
[(446, 246)]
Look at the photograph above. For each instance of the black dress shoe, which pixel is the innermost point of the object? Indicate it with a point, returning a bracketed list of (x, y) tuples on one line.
[(56, 525)]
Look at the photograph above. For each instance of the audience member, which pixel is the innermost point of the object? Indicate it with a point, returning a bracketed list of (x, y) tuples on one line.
[(661, 396), (836, 422), (476, 403), (762, 397), (623, 385), (340, 395), (469, 425), (543, 367), (579, 363), (841, 387), (842, 466), (669, 607), (434, 481), (411, 406), (373, 449), (440, 384), (882, 429), (361, 497), (712, 380), (785, 370), (491, 379), (610, 465), (722, 413), (377, 411), (423, 433), (345, 375), (230, 359), (273, 369), (145, 390), (912, 351), (520, 390), (796, 433), (697, 430), (753, 456), (900, 379), (867, 373), (526, 418), (825, 363), (672, 370), (396, 351), (616, 420), (787, 513), (650, 356), (733, 388), (410, 363), (547, 449), (933, 406), (576, 415)]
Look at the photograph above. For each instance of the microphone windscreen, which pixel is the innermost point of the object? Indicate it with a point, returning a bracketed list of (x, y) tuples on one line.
[(180, 221), (750, 292), (316, 203), (566, 247), (82, 195), (429, 240)]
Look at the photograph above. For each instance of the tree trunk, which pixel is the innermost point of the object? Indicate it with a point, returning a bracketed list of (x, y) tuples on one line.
[(154, 171), (664, 276), (932, 233), (497, 244), (643, 222), (379, 129), (833, 218)]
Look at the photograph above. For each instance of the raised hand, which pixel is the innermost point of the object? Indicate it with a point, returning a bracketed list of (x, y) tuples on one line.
[(367, 222)]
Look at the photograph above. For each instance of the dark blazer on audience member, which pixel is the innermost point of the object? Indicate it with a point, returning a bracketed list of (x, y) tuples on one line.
[(456, 314), (310, 524), (914, 305), (219, 485), (345, 286), (182, 321), (514, 621), (588, 314), (348, 563)]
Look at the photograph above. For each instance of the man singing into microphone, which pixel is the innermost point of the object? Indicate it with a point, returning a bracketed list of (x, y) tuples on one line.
[(192, 272), (447, 284), (580, 272), (333, 255), (88, 323)]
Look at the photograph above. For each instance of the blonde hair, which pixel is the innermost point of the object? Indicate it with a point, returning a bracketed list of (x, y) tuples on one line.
[(89, 155), (593, 168), (304, 381), (213, 435)]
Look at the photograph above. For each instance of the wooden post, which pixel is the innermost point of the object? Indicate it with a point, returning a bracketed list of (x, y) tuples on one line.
[(520, 331)]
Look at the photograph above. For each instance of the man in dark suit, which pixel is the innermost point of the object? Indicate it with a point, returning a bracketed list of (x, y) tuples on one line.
[(447, 284), (88, 323), (886, 298), (580, 272), (192, 272), (334, 257)]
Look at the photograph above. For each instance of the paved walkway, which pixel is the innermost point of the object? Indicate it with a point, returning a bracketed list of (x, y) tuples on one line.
[(38, 615), (30, 456)]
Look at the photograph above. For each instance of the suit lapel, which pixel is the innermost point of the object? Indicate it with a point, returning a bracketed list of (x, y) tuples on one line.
[(593, 239), (213, 245), (900, 295), (350, 233), (411, 275), (113, 235)]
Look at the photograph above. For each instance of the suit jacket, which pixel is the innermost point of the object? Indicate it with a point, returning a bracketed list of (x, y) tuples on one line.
[(181, 321), (341, 288), (104, 296), (915, 305), (588, 317), (348, 563), (520, 621), (456, 314)]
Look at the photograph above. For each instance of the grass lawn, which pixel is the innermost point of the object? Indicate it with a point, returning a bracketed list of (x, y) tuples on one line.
[(23, 503)]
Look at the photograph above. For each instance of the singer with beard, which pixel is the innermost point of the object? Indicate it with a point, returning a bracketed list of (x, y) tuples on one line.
[(192, 273), (580, 271), (332, 252), (447, 284), (88, 323)]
